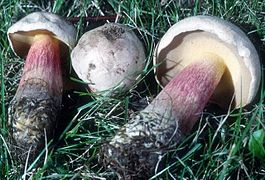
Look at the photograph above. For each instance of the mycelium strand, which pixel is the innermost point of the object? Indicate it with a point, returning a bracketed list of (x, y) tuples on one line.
[(37, 100), (138, 147)]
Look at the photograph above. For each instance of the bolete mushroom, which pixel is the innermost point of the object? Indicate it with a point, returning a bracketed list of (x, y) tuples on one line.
[(41, 38), (198, 58), (200, 37), (109, 58)]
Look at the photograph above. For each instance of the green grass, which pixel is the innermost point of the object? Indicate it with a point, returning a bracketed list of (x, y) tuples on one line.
[(217, 148)]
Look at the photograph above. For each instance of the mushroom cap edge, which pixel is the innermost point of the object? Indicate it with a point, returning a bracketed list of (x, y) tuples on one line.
[(47, 22)]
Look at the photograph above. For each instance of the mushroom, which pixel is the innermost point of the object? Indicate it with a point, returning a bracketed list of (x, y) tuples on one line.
[(198, 59), (109, 58), (41, 38), (194, 39)]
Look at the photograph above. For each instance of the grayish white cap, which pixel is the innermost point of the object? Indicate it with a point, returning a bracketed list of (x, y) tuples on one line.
[(189, 39), (21, 33), (110, 57)]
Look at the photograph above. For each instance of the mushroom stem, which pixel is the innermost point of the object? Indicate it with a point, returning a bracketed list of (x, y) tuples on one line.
[(135, 151), (38, 98), (187, 93), (43, 63)]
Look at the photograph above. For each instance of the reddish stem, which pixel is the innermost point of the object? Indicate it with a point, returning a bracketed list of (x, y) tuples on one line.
[(136, 150), (43, 63), (34, 110), (186, 95)]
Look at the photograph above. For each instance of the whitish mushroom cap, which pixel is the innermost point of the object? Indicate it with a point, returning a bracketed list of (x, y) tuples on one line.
[(191, 38), (107, 57), (20, 34)]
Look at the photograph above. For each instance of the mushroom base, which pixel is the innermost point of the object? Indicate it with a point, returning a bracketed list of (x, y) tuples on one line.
[(136, 151), (32, 116)]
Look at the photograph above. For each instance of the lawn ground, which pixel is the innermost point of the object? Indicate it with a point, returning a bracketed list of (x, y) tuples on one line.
[(217, 148)]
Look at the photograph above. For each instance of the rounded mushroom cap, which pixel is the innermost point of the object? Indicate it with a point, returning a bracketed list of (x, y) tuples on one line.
[(191, 38), (21, 34), (107, 57)]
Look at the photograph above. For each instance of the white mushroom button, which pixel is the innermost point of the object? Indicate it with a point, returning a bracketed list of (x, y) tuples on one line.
[(205, 37), (109, 58)]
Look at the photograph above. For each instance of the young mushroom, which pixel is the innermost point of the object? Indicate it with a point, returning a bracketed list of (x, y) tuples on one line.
[(41, 38), (109, 58), (199, 59)]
